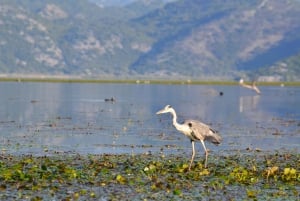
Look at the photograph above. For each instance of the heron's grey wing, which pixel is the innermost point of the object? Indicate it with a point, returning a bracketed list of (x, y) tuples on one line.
[(198, 129), (201, 131)]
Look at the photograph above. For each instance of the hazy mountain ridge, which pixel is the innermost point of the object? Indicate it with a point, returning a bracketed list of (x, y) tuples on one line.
[(194, 38), (230, 40), (120, 3), (59, 38)]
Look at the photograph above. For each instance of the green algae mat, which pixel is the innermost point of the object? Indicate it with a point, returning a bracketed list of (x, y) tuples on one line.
[(240, 176)]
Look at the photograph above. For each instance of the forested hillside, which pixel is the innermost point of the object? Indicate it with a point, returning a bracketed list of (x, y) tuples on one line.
[(201, 39)]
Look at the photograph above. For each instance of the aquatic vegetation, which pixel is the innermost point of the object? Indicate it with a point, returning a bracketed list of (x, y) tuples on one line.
[(271, 171), (242, 175), (290, 174), (149, 177)]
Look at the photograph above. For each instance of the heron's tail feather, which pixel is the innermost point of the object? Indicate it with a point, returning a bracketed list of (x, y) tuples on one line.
[(214, 137)]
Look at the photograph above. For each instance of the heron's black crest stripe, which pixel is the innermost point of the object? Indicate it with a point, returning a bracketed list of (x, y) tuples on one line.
[(212, 130), (190, 124)]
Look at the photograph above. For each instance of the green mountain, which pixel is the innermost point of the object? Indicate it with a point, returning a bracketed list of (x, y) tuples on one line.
[(202, 39), (225, 39)]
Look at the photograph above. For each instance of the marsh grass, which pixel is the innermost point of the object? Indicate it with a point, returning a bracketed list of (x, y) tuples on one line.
[(150, 177)]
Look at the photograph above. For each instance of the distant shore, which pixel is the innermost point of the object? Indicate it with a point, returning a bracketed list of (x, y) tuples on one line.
[(79, 79)]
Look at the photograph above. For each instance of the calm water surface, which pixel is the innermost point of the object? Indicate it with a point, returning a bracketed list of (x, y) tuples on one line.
[(45, 118)]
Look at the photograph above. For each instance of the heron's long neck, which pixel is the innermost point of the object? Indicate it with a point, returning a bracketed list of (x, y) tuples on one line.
[(177, 125)]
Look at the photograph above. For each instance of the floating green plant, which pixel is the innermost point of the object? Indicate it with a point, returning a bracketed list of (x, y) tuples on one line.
[(290, 174), (242, 175), (149, 177)]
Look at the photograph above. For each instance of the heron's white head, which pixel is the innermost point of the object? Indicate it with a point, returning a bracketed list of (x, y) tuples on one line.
[(166, 109), (241, 81)]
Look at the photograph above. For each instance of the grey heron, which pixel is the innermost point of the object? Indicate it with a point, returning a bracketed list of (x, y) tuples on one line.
[(252, 86), (195, 130)]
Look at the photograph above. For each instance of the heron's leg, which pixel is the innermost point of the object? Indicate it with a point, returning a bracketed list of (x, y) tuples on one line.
[(206, 153), (193, 153)]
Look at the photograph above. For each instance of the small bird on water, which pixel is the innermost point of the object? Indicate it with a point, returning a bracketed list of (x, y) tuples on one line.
[(195, 130)]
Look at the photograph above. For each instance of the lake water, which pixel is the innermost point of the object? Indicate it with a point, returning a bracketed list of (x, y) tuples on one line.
[(46, 118)]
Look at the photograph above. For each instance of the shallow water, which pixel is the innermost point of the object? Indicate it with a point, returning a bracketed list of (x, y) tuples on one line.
[(45, 118)]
